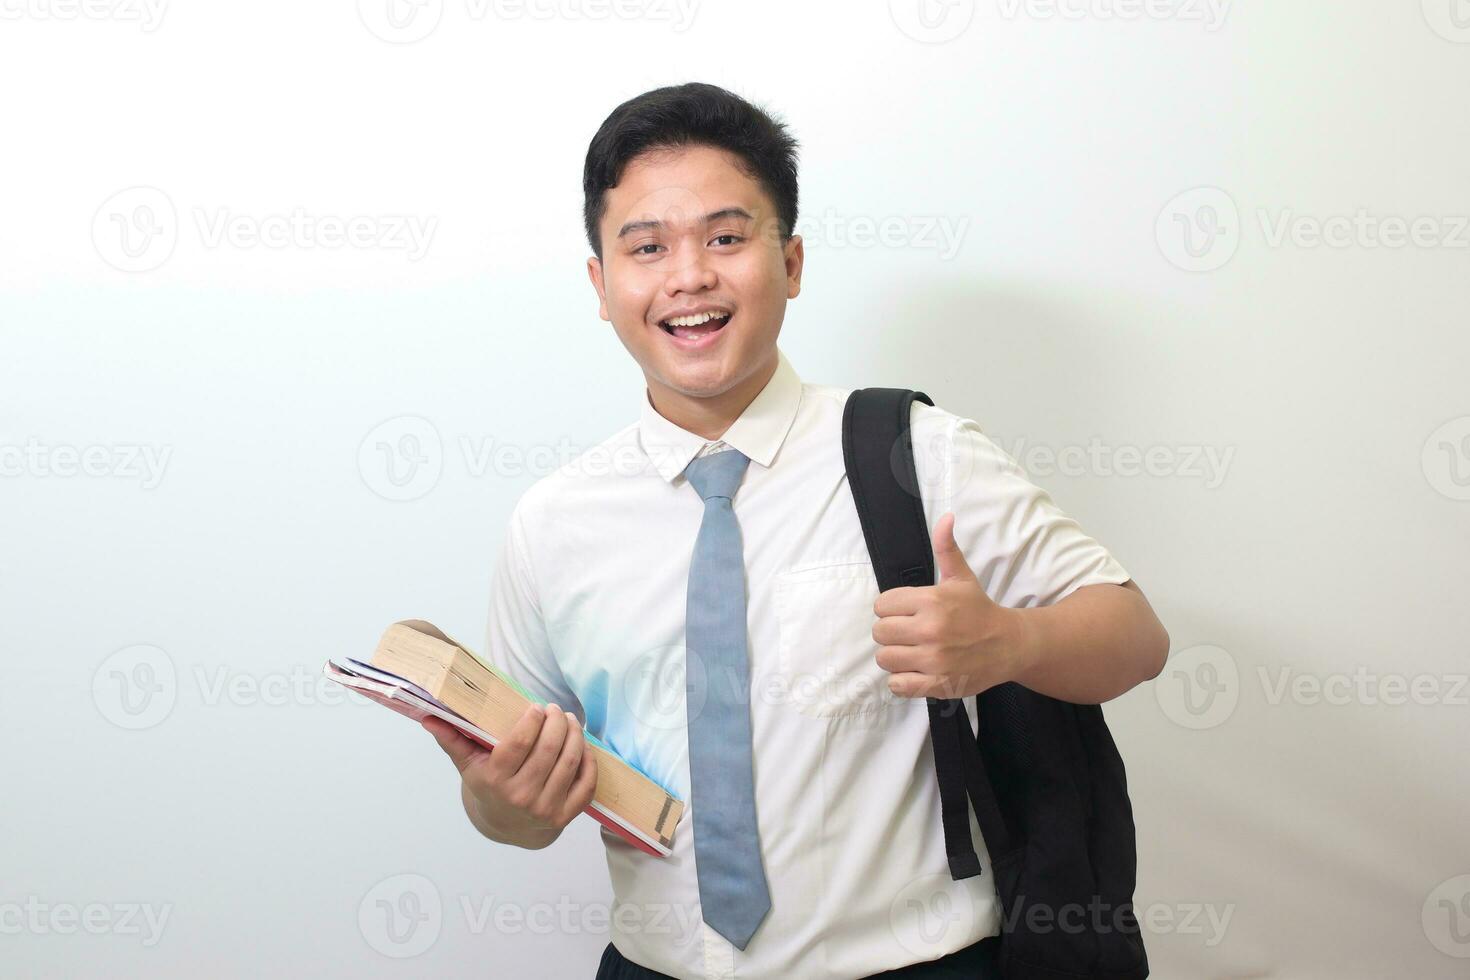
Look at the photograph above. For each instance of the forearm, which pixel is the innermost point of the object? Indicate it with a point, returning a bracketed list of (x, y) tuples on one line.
[(1098, 643), (488, 826)]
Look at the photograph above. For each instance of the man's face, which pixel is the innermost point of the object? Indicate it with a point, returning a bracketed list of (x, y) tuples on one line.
[(687, 231)]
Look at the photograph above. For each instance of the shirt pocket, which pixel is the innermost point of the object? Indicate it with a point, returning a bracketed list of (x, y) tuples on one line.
[(827, 656)]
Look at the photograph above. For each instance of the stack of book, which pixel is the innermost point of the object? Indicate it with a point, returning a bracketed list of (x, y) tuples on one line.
[(417, 671)]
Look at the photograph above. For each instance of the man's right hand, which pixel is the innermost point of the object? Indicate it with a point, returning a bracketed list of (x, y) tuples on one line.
[(535, 782)]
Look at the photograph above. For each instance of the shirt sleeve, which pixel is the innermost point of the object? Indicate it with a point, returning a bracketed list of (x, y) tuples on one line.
[(516, 639), (1022, 548)]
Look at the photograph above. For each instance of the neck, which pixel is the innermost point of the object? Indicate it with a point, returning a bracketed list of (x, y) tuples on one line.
[(711, 417)]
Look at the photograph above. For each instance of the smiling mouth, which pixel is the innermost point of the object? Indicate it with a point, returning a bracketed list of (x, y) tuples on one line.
[(712, 325)]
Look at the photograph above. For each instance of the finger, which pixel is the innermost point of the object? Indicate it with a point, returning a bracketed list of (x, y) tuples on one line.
[(580, 795), (542, 757), (902, 601), (901, 659), (897, 631), (910, 684), (462, 750), (568, 764), (949, 560), (512, 751)]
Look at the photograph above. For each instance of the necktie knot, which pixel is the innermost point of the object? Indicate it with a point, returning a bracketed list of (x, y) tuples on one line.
[(718, 474)]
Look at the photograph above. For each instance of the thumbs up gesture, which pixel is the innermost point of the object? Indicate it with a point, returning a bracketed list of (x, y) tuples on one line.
[(947, 640)]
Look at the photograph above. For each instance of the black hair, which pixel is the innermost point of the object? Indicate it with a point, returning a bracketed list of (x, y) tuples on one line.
[(692, 114)]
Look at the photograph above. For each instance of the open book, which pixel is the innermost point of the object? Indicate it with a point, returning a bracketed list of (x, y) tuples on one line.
[(417, 670)]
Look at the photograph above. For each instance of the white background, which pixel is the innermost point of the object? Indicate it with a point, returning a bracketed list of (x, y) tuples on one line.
[(1131, 198)]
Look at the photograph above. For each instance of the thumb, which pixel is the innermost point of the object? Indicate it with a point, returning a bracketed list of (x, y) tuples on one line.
[(949, 560), (462, 750)]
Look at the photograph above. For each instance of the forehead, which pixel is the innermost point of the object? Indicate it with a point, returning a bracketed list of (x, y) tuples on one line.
[(680, 186)]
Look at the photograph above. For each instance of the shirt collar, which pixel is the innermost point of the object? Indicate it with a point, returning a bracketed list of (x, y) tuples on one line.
[(758, 432)]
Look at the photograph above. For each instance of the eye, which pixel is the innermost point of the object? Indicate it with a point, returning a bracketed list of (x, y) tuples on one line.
[(640, 248), (734, 238)]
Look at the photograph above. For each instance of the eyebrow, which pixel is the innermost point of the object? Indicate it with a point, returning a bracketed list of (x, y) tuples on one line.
[(710, 218)]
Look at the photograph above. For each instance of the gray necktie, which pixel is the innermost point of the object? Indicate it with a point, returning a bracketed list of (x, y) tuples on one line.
[(727, 855)]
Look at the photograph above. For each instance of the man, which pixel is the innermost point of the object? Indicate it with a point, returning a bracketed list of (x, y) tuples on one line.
[(697, 589)]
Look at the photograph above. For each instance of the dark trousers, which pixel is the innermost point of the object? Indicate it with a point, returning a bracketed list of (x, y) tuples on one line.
[(977, 962)]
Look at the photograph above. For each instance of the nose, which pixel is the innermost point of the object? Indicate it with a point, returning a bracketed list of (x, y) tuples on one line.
[(691, 271)]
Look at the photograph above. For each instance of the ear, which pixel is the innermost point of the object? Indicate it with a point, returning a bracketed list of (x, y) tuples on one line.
[(795, 253), (594, 272)]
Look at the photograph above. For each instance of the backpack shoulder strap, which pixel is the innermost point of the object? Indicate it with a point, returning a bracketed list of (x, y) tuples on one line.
[(877, 449), (878, 453)]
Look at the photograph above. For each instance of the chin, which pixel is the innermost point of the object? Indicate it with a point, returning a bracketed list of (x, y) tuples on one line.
[(704, 378), (699, 384)]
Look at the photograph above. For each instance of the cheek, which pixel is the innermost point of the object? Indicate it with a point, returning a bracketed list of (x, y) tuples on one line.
[(763, 297), (757, 286), (629, 296)]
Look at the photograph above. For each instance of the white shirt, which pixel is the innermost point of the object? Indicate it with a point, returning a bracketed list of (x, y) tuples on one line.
[(587, 610)]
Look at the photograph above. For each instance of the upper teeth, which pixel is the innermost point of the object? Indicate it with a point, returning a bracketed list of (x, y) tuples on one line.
[(693, 321)]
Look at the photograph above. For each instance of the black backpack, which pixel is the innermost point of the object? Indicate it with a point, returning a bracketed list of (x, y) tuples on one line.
[(1046, 781)]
